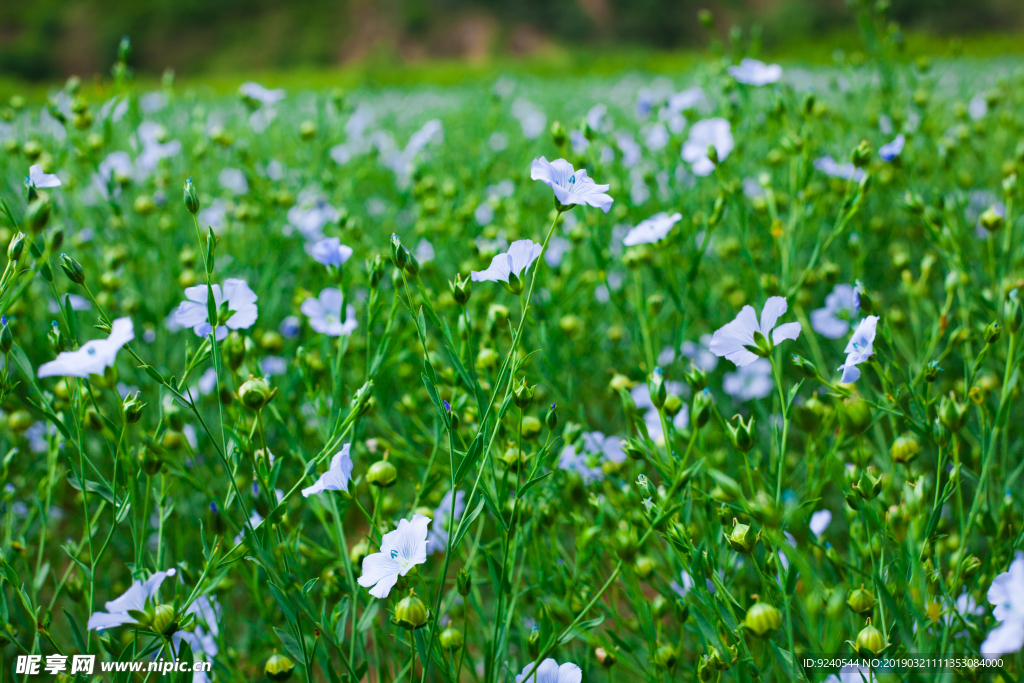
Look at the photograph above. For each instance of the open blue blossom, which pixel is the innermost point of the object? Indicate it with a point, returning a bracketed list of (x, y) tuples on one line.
[(40, 180), (400, 551), (749, 382), (755, 72), (94, 356), (437, 539), (549, 671), (859, 349), (330, 252), (703, 134), (820, 521), (1007, 595), (520, 256), (336, 477), (133, 599), (841, 305), (235, 304), (891, 150), (736, 339), (569, 185), (651, 230), (324, 314)]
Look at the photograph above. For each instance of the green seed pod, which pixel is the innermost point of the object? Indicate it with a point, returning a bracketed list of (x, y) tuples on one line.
[(861, 154), (522, 396), (451, 639), (278, 667), (20, 420), (558, 133), (382, 474), (191, 197), (234, 350), (742, 538), (762, 619), (410, 613), (861, 601), (531, 427), (533, 643), (605, 658), (952, 413), (255, 393), (1013, 312), (870, 641), (742, 434), (701, 412), (307, 130), (991, 219), (461, 289), (673, 404), (931, 371), (464, 582), (992, 332), (162, 620), (854, 415), (132, 408), (72, 268), (696, 378), (904, 449)]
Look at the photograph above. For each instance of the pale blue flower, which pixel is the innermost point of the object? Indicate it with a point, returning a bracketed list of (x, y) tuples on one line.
[(751, 381), (400, 551), (891, 150), (732, 340), (833, 321), (337, 476), (859, 349), (1007, 595)]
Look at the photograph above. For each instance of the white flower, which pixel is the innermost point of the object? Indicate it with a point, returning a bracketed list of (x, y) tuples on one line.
[(255, 91), (891, 150), (520, 256), (731, 340), (570, 186), (749, 382), (977, 107), (820, 521), (651, 230), (94, 356), (859, 348), (755, 72), (685, 587), (704, 133), (400, 551), (330, 252), (337, 476), (235, 305), (1007, 594), (831, 167), (437, 539), (324, 314), (42, 180), (549, 671), (233, 180), (133, 599)]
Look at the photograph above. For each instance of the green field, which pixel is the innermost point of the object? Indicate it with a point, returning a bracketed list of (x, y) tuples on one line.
[(604, 469)]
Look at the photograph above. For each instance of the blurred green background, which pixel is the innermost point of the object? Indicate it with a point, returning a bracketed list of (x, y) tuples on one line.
[(49, 39)]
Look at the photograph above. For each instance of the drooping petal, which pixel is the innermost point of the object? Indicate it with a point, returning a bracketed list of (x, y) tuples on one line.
[(523, 253), (190, 313), (42, 180), (498, 271), (381, 572), (312, 308), (851, 373), (337, 476), (820, 521), (1006, 638)]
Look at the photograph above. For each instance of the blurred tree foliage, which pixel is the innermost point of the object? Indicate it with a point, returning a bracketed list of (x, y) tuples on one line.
[(50, 38)]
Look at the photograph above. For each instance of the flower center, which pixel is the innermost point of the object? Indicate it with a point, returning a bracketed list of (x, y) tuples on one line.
[(394, 554), (572, 179)]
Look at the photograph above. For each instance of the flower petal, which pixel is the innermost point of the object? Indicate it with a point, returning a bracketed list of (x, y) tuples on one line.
[(787, 331), (772, 311)]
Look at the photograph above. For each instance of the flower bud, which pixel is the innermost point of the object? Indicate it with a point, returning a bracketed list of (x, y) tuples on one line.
[(571, 432), (191, 197), (701, 412), (132, 408), (665, 656), (162, 620), (278, 668), (464, 582), (992, 332), (952, 413), (656, 386), (805, 367), (411, 613), (6, 337), (558, 133), (382, 474), (742, 538), (551, 418), (931, 371), (38, 213), (255, 393), (604, 657), (399, 254), (514, 284), (376, 268), (533, 643), (870, 641), (862, 299), (861, 154), (412, 266), (72, 268), (234, 350), (991, 220), (696, 378), (1013, 312), (869, 485), (461, 289), (762, 619), (16, 246), (451, 639), (741, 434)]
